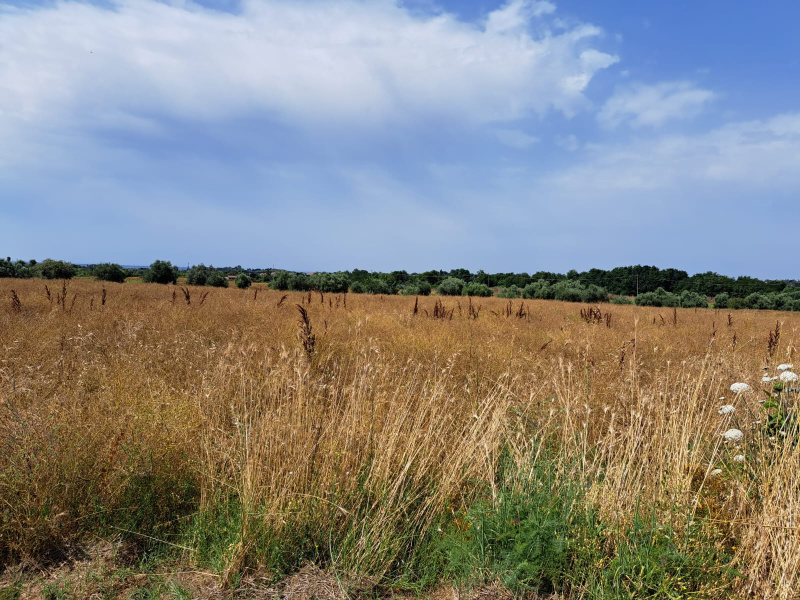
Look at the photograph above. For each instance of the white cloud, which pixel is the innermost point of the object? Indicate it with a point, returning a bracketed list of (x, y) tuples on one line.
[(642, 105), (516, 15), (516, 138), (72, 67), (752, 155)]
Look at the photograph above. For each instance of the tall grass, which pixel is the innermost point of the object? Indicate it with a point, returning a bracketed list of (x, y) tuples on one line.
[(369, 436)]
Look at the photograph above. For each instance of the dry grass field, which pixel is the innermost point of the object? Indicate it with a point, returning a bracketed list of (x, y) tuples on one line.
[(516, 444)]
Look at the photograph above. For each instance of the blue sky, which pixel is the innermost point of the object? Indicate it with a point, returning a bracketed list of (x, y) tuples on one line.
[(341, 134)]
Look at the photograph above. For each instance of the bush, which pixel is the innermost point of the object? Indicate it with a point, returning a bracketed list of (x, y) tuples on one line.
[(660, 297), (721, 300), (511, 291), (15, 269), (450, 286), (243, 281), (280, 281), (300, 282), (334, 283), (198, 274), (109, 272), (541, 290), (759, 301), (417, 288), (56, 269), (594, 293), (737, 303), (476, 289), (621, 300), (376, 286), (217, 279), (568, 291), (161, 271), (692, 300)]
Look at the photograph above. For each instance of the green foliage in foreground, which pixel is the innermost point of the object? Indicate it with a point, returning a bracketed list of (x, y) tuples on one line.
[(540, 535)]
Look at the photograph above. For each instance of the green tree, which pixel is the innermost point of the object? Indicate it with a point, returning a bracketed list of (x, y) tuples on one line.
[(476, 289), (217, 279), (56, 269), (198, 274), (109, 272), (451, 286), (161, 271), (243, 281)]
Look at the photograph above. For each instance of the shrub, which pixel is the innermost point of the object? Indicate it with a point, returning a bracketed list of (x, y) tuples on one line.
[(759, 301), (621, 300), (660, 297), (568, 291), (474, 288), (692, 300), (161, 271), (15, 269), (109, 272), (721, 300), (540, 290), (198, 274), (243, 281), (56, 269), (334, 283), (450, 287), (595, 293), (280, 281), (300, 282), (217, 279), (511, 291), (376, 286), (736, 303)]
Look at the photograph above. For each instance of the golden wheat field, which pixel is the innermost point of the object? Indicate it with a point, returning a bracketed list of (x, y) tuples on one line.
[(257, 432)]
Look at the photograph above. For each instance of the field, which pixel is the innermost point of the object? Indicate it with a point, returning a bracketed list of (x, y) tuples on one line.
[(156, 443)]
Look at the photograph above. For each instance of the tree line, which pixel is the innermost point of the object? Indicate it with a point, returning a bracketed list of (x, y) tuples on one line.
[(643, 285)]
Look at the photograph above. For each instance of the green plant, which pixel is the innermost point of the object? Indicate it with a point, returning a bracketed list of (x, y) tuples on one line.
[(243, 281), (692, 300), (451, 286), (56, 269), (721, 300), (217, 279), (510, 292), (109, 272), (161, 271), (476, 289)]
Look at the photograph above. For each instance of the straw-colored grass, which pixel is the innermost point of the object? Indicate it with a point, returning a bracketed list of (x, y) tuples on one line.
[(220, 429)]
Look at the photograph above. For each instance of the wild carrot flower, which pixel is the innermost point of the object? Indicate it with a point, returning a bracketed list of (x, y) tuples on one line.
[(784, 367), (739, 387), (738, 458), (789, 377), (733, 435), (728, 409)]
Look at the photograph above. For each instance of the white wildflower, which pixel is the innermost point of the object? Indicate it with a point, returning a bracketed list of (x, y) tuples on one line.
[(738, 388), (733, 435), (789, 377), (768, 379), (728, 409), (738, 458), (715, 472), (784, 367)]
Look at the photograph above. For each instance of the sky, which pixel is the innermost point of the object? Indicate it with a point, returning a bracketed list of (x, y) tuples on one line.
[(330, 135)]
